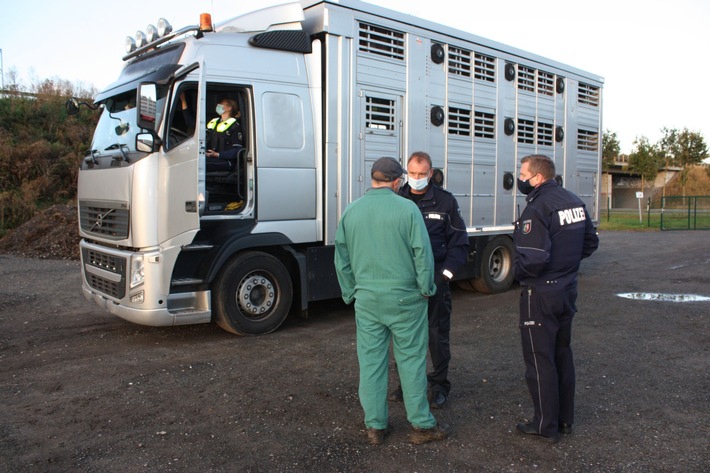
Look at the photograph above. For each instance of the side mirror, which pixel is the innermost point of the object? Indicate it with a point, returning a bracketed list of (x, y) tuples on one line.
[(145, 142), (72, 106), (146, 105)]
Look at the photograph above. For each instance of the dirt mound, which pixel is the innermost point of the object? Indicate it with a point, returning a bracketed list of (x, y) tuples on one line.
[(52, 234)]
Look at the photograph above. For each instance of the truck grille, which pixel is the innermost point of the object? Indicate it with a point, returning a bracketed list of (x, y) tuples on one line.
[(106, 219), (114, 287)]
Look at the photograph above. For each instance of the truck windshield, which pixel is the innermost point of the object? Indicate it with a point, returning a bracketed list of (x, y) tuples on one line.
[(115, 134)]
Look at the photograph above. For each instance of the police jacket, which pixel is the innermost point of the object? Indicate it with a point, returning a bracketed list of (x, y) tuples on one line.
[(225, 137), (554, 233), (447, 231)]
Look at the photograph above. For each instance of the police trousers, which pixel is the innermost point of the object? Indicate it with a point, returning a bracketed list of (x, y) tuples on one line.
[(401, 319), (439, 338), (546, 334)]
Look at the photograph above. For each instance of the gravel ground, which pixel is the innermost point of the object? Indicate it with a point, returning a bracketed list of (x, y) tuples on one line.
[(81, 390)]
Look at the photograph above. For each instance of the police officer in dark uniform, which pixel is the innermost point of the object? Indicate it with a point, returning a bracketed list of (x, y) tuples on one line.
[(552, 236), (449, 241)]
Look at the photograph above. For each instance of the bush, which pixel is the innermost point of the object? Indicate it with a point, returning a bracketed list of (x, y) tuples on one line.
[(41, 148)]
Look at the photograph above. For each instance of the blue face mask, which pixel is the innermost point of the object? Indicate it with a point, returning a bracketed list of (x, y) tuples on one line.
[(418, 184), (219, 109)]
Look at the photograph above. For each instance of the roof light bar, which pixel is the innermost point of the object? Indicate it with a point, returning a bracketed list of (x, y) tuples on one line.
[(141, 39), (151, 33), (164, 28), (155, 36)]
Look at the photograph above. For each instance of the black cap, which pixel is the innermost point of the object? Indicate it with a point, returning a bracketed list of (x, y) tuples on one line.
[(386, 170)]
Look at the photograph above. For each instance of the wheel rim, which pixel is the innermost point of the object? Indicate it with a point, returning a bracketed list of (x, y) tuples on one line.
[(256, 295), (499, 264)]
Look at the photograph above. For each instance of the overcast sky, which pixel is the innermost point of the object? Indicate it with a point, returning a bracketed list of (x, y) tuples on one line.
[(653, 54)]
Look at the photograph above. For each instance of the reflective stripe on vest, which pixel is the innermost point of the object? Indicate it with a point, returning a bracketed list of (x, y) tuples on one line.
[(222, 126)]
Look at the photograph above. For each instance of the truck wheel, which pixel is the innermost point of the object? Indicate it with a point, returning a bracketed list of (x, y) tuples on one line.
[(496, 273), (252, 294)]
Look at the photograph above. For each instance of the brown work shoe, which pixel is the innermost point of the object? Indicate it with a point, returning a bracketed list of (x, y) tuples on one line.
[(377, 436), (420, 436)]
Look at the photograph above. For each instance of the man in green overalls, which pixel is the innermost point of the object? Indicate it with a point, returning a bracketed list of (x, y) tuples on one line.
[(384, 263)]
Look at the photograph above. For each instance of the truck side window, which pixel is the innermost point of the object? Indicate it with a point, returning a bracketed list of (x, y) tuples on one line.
[(183, 116)]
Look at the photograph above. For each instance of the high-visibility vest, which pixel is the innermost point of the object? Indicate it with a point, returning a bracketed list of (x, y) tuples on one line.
[(221, 126), (222, 135)]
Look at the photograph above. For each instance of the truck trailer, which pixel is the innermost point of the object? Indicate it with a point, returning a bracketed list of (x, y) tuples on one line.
[(324, 88)]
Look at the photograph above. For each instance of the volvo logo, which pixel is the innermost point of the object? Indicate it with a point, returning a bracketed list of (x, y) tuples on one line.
[(99, 222)]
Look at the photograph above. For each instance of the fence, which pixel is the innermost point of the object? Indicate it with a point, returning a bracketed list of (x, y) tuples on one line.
[(685, 213), (675, 213)]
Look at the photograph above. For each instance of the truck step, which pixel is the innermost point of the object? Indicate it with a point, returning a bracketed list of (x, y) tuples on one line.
[(186, 282)]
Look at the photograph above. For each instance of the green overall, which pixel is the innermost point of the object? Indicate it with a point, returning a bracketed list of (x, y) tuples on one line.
[(384, 263)]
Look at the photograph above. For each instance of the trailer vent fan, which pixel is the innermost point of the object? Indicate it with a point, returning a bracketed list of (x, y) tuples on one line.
[(288, 40), (437, 115), (509, 126), (437, 53), (508, 181), (559, 134), (509, 71), (560, 85)]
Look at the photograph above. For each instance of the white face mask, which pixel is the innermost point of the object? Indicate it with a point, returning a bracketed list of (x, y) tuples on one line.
[(418, 184), (219, 109)]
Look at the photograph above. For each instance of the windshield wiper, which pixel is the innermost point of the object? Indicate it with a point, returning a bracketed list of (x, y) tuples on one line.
[(93, 153), (119, 146)]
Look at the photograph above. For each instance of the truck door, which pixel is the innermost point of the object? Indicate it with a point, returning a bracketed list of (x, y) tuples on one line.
[(381, 135), (182, 184)]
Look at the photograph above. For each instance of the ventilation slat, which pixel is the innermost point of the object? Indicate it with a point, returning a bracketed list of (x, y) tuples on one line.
[(587, 140), (459, 121), (588, 95), (484, 125), (381, 41), (485, 68)]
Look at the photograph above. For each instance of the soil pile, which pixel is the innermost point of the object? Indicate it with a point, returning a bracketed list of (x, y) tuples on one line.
[(51, 234)]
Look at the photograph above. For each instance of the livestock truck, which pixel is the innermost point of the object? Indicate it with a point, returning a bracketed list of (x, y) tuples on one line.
[(325, 88)]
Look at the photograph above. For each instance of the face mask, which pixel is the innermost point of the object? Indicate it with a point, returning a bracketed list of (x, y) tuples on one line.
[(418, 184), (525, 187), (220, 109)]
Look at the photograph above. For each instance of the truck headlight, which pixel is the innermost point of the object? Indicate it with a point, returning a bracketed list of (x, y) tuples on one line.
[(137, 270)]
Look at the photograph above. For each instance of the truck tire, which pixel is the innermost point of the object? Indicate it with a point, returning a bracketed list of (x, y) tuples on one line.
[(252, 294), (496, 272)]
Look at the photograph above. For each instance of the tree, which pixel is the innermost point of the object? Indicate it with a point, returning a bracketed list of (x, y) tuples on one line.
[(645, 160), (610, 149), (683, 149)]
